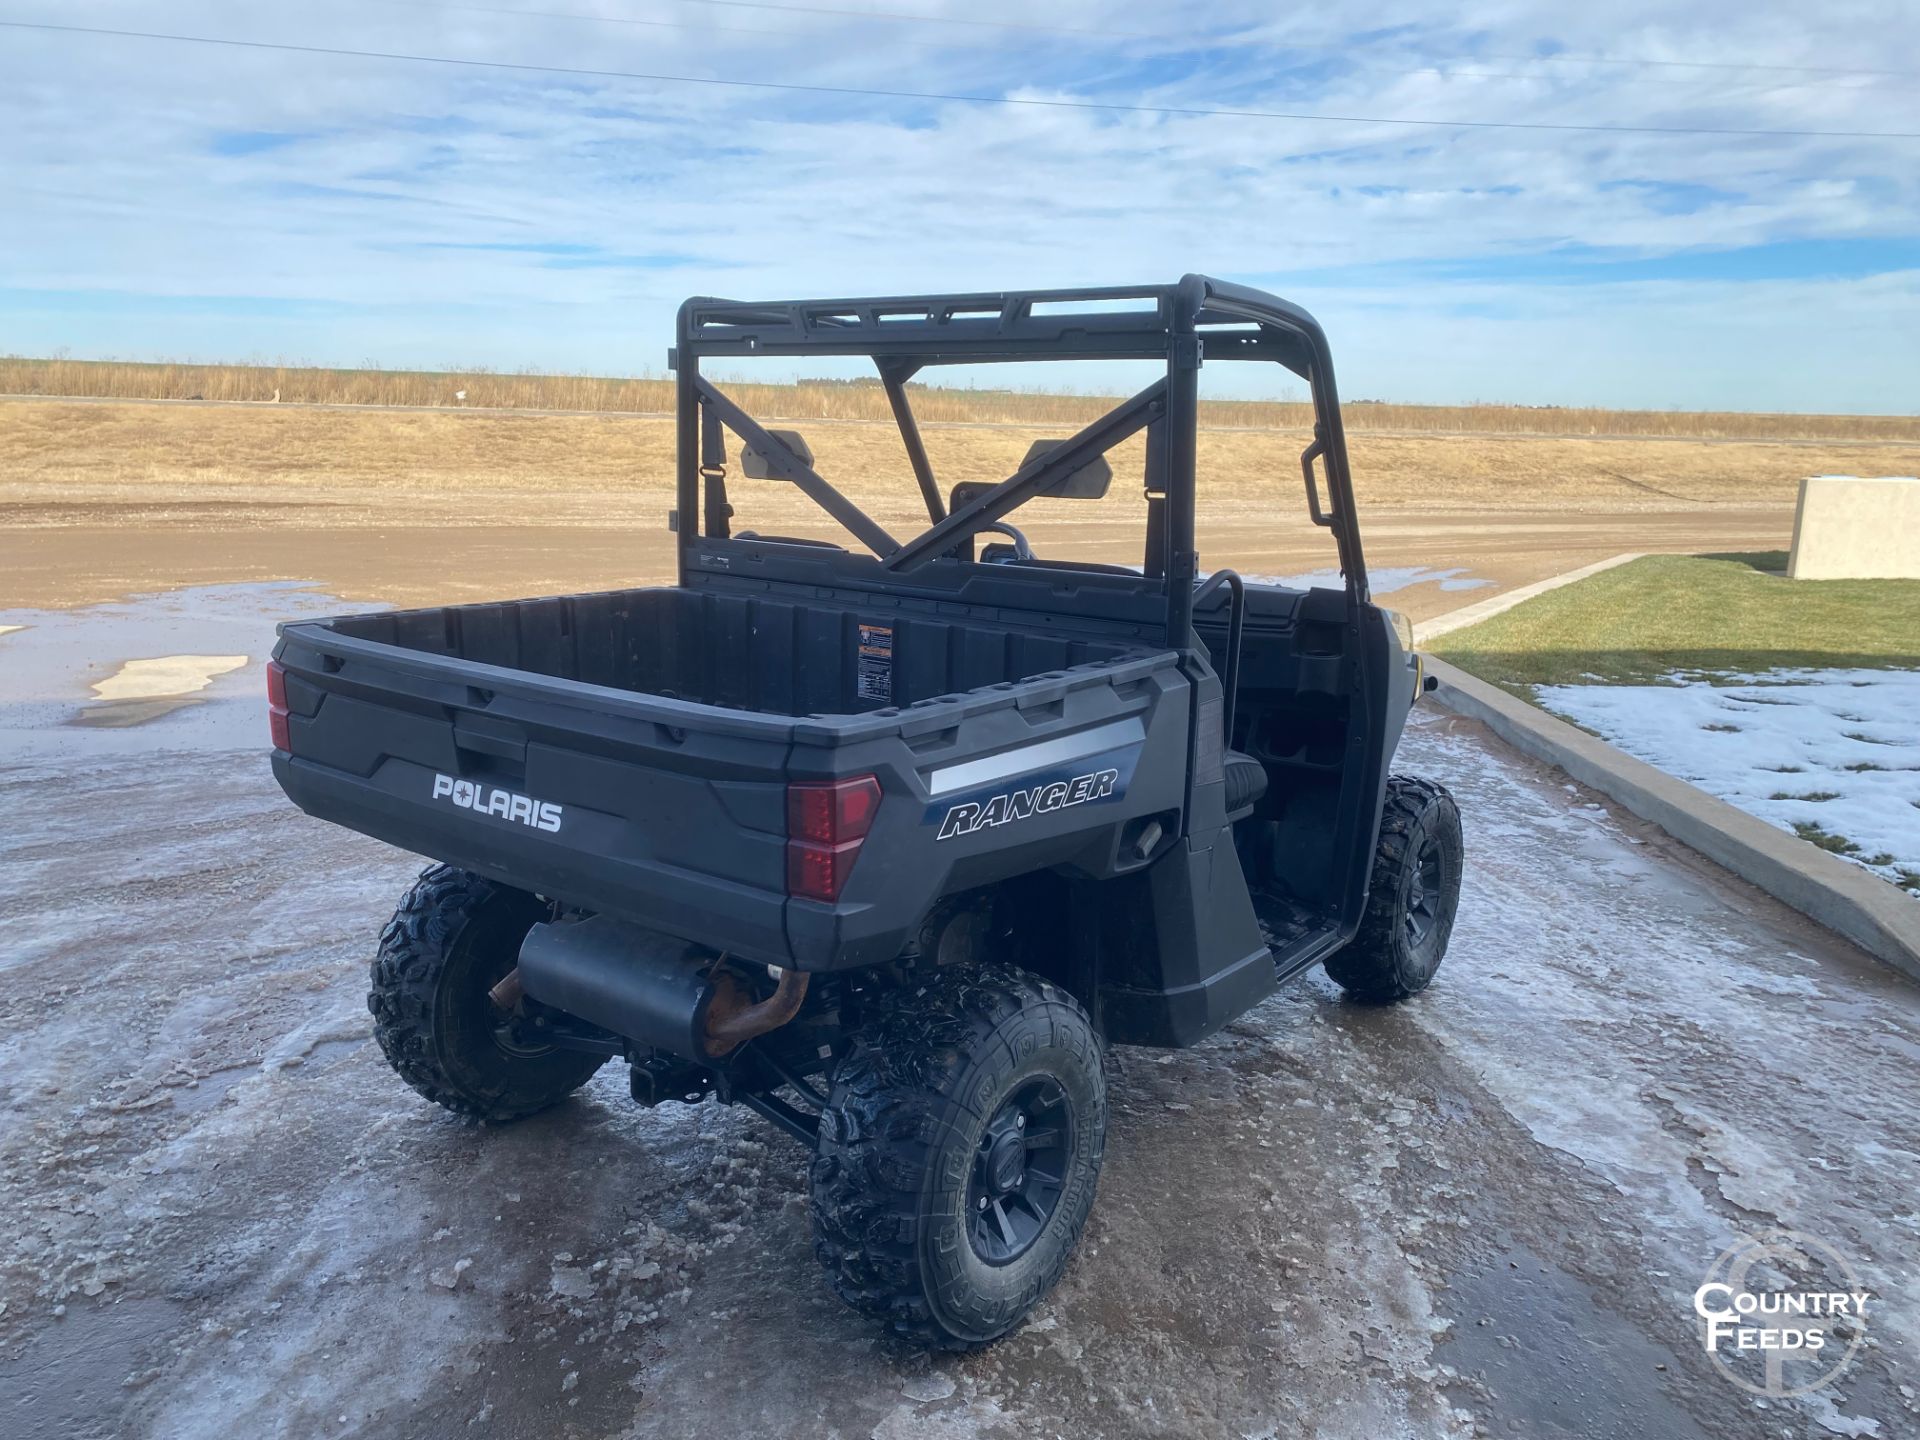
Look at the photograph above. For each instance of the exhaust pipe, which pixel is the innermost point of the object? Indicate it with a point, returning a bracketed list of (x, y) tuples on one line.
[(732, 1020), (653, 989)]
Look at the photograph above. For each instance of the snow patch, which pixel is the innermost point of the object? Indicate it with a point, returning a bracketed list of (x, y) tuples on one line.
[(1836, 749)]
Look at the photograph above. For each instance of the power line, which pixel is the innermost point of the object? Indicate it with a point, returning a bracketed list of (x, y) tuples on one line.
[(1107, 106), (1444, 67)]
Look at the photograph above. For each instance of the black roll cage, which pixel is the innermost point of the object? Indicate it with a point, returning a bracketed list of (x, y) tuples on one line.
[(1182, 324)]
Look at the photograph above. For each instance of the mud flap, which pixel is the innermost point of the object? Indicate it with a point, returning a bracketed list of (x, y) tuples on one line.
[(1209, 963)]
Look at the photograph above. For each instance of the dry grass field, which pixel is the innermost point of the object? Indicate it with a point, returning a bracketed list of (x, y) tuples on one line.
[(827, 400), (104, 498), (537, 469)]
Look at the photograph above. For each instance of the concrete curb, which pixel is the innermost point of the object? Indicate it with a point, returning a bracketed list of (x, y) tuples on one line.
[(1425, 630), (1825, 888)]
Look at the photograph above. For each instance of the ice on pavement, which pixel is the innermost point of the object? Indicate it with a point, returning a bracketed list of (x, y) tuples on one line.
[(1383, 580), (1839, 749), (177, 671), (141, 691), (1626, 1062)]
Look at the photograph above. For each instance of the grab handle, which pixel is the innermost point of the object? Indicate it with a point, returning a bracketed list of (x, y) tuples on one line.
[(1236, 626), (1307, 456)]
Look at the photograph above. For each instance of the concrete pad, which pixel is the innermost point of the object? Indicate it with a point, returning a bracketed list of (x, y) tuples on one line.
[(1842, 897), (1851, 528)]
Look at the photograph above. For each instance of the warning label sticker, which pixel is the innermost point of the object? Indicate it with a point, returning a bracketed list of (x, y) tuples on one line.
[(873, 673)]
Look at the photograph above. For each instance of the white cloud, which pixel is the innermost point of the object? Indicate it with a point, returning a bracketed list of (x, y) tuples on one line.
[(1430, 251)]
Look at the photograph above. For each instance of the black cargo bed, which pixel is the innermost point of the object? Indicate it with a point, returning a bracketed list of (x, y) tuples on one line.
[(661, 729), (752, 653)]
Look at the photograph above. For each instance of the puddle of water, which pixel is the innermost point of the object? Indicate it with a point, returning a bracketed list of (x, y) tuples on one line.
[(125, 714), (143, 690), (68, 688)]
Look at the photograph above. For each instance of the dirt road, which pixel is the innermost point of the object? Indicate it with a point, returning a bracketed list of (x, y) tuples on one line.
[(1484, 1212), (1412, 556)]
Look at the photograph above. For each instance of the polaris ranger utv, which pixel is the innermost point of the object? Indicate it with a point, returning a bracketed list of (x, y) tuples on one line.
[(888, 843)]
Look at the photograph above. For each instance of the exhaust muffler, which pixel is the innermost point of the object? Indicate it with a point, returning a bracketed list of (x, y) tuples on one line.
[(653, 989)]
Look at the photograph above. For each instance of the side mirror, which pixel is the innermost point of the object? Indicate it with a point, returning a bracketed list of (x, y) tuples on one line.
[(1089, 482), (756, 466)]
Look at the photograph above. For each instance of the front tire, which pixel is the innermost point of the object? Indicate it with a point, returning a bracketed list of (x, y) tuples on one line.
[(454, 936), (1412, 898), (958, 1155)]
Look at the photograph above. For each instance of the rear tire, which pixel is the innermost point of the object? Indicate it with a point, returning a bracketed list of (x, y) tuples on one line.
[(1411, 902), (958, 1155), (454, 936)]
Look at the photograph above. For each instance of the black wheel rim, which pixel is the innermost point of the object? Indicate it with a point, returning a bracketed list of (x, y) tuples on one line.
[(1019, 1170), (1423, 893), (476, 973)]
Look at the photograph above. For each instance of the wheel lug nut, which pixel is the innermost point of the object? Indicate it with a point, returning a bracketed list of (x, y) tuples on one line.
[(1019, 1122), (983, 1202)]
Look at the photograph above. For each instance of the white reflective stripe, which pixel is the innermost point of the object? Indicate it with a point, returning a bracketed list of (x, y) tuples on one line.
[(1028, 758)]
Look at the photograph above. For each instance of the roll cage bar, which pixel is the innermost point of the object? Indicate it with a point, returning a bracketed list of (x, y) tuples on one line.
[(1182, 324)]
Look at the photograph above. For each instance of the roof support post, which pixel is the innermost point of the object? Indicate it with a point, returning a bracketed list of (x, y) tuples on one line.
[(893, 379), (1183, 407), (686, 416)]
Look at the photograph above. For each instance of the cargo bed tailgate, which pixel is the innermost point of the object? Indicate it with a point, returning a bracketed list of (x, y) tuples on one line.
[(663, 810)]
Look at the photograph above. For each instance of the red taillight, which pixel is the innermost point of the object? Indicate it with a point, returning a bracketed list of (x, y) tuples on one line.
[(819, 872), (827, 820), (832, 812), (277, 706)]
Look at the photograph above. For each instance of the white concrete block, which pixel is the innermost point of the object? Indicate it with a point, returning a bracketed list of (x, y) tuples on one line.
[(1847, 527)]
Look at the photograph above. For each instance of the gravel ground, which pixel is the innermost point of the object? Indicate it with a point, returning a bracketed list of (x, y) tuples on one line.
[(1483, 1212)]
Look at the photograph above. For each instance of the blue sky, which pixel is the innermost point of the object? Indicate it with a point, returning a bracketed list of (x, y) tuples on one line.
[(161, 200)]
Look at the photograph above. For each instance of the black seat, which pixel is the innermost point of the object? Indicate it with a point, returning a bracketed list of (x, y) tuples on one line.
[(1246, 783)]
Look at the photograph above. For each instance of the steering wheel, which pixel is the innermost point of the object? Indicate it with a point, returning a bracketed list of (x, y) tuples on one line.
[(1021, 549)]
